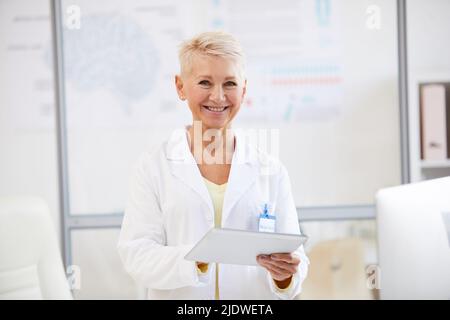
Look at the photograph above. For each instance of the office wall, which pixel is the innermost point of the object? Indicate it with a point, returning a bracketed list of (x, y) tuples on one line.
[(28, 161), (428, 36)]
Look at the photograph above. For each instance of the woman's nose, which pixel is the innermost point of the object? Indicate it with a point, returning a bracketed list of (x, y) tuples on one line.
[(217, 95)]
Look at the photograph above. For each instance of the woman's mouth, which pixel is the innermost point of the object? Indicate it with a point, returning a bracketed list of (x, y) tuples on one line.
[(215, 109)]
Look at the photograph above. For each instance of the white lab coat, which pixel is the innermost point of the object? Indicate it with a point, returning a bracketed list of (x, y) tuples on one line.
[(169, 210)]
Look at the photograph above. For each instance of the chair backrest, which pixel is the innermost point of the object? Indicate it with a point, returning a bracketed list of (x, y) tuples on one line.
[(30, 260), (336, 271)]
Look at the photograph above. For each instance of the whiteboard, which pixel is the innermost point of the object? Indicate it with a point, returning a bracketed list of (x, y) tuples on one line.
[(317, 72)]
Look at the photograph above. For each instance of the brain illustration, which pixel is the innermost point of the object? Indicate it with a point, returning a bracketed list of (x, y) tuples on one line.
[(110, 52)]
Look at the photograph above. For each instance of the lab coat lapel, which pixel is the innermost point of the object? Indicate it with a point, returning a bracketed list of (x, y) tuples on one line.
[(244, 172), (183, 166)]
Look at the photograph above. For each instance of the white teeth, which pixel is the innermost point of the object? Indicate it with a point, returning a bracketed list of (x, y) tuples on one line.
[(215, 109)]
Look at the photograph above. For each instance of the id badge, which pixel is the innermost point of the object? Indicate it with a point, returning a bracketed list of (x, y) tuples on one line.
[(266, 223)]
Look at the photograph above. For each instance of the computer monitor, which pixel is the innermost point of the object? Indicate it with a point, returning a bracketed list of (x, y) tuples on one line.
[(413, 223)]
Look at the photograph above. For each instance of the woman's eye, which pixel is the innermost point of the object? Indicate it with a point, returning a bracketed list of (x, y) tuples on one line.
[(231, 84), (204, 83)]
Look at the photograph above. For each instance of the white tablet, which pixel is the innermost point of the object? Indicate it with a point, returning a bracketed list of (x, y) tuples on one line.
[(232, 246)]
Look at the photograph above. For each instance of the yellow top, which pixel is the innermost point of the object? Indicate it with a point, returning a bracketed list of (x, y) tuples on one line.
[(217, 193)]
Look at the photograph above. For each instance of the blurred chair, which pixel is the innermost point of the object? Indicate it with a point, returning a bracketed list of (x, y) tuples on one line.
[(336, 271), (30, 261)]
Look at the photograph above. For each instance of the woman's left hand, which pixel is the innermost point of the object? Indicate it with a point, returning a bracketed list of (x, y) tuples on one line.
[(280, 265)]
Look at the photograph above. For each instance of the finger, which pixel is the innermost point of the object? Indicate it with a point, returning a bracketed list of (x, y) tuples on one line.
[(286, 257), (275, 274), (279, 266), (291, 268), (262, 257), (283, 273), (262, 260), (283, 265), (274, 271)]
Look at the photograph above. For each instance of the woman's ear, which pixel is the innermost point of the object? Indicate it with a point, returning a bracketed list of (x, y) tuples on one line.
[(179, 86)]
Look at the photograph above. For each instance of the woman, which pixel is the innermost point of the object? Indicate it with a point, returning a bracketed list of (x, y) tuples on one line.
[(190, 185)]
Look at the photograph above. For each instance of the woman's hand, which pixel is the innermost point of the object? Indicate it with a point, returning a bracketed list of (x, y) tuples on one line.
[(280, 265), (202, 266)]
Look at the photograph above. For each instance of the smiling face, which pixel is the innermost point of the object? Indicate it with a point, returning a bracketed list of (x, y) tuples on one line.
[(214, 89)]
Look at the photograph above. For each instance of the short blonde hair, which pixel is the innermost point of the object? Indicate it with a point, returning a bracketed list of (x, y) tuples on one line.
[(213, 43)]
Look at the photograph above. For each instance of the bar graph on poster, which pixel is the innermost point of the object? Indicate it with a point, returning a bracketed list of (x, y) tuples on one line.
[(294, 57)]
